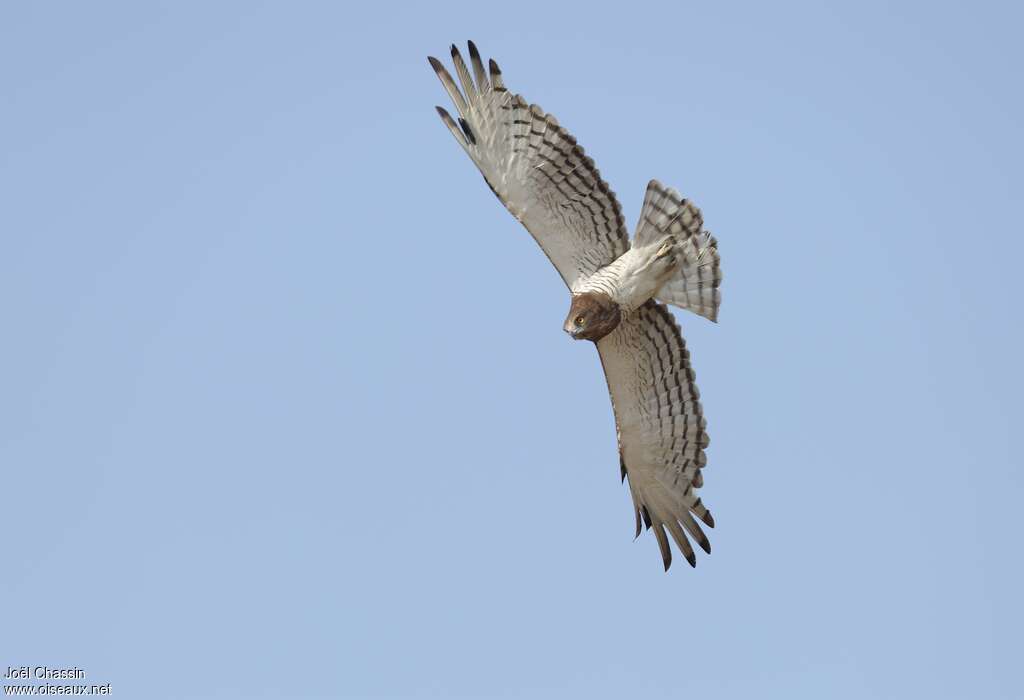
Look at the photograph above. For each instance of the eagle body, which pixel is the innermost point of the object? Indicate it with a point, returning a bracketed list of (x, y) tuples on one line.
[(634, 277), (627, 283), (618, 287)]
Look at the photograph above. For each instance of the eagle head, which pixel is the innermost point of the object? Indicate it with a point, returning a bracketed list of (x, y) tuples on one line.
[(592, 316)]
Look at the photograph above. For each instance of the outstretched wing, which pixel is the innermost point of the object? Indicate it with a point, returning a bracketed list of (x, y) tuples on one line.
[(536, 169), (660, 426)]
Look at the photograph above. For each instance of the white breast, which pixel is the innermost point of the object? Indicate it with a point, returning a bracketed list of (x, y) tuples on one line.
[(633, 278)]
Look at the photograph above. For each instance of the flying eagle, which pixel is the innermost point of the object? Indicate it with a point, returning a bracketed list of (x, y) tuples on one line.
[(541, 175)]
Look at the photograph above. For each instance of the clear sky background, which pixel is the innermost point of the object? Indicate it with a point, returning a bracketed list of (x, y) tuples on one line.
[(286, 410)]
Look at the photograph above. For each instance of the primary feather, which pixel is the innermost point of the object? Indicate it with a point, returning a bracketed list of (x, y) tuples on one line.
[(537, 170)]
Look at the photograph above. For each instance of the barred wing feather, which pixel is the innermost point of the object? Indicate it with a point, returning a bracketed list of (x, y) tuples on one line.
[(536, 169), (660, 426)]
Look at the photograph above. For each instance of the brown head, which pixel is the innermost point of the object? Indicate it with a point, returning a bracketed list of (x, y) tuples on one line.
[(592, 316)]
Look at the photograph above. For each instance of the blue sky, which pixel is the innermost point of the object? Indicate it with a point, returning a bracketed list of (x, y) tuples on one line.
[(287, 410)]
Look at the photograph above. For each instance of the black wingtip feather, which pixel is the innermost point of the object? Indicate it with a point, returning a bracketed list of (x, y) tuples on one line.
[(705, 545), (496, 82), (479, 73), (435, 64), (468, 132), (663, 545)]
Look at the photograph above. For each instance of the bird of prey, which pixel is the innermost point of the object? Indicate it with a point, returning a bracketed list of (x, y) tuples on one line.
[(542, 176)]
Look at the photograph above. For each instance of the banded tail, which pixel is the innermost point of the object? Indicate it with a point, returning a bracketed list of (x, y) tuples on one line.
[(694, 284)]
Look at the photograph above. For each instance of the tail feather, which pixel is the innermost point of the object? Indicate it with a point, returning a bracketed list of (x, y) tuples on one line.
[(665, 212), (695, 283)]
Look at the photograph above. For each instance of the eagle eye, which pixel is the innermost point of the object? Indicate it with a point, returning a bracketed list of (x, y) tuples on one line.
[(579, 320)]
